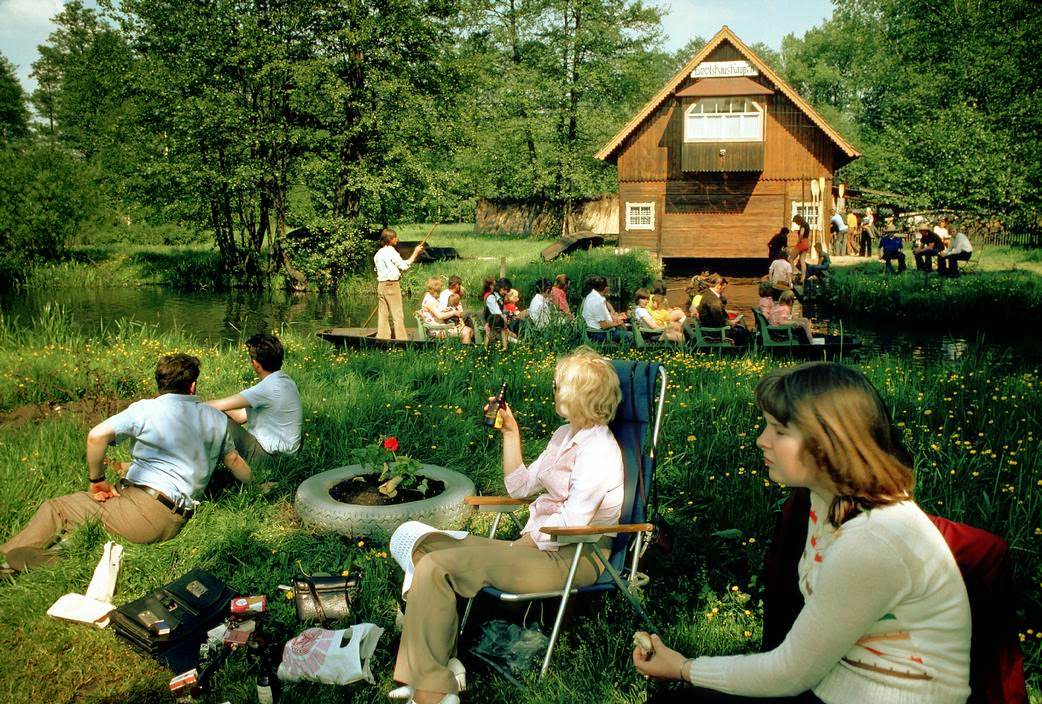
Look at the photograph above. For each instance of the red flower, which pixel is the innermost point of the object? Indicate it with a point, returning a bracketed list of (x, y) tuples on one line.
[(391, 444)]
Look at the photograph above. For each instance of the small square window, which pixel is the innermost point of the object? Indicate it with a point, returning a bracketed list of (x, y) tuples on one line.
[(640, 216)]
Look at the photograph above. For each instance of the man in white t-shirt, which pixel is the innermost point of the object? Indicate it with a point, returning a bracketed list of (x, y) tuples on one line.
[(602, 325), (271, 408), (780, 272)]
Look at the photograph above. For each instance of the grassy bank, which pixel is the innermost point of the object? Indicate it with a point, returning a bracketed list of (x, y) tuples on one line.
[(973, 427), (122, 265), (1002, 290)]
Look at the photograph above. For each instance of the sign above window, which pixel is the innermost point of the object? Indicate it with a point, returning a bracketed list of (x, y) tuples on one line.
[(724, 69)]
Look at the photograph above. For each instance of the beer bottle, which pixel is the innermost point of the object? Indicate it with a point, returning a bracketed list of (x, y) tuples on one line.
[(492, 411)]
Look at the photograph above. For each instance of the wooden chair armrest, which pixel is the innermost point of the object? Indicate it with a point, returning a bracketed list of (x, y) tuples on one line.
[(495, 501), (564, 531)]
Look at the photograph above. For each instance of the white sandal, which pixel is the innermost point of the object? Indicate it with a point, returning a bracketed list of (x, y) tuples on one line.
[(406, 691)]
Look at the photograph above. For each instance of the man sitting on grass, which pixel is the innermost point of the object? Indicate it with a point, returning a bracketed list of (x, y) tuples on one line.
[(271, 407), (177, 441)]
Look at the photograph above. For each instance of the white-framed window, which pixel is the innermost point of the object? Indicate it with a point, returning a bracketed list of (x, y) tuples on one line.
[(640, 216), (724, 120), (811, 212)]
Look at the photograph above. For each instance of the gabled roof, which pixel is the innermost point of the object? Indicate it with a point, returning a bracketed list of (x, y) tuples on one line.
[(725, 34)]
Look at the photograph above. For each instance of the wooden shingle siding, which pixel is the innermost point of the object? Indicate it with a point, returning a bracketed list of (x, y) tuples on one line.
[(706, 156)]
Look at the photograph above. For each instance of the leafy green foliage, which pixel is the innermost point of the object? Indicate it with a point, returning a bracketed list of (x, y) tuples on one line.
[(14, 118), (48, 194), (941, 98)]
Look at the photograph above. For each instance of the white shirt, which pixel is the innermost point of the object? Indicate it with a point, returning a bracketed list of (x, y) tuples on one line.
[(274, 415), (780, 272), (886, 618), (594, 310), (389, 264), (429, 309), (492, 304), (960, 243), (582, 477), (538, 311), (837, 220), (643, 316), (443, 299), (176, 442)]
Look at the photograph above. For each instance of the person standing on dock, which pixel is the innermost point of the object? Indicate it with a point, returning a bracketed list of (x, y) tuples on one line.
[(389, 268)]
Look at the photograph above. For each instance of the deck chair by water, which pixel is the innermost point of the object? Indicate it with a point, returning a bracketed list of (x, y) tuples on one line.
[(788, 335), (429, 331), (636, 428), (703, 338)]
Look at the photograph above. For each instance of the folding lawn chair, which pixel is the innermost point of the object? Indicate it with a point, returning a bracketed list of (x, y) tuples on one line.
[(643, 398)]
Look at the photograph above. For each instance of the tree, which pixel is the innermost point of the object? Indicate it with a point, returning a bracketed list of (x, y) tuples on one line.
[(14, 118)]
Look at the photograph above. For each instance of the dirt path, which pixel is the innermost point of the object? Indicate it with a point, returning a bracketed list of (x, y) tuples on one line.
[(91, 410)]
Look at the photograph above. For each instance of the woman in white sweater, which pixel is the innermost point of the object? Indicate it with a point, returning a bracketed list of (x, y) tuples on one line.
[(886, 617)]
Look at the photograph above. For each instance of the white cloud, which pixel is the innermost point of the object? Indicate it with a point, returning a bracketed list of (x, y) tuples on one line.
[(27, 14)]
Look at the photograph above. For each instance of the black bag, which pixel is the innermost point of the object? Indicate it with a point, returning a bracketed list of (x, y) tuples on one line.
[(323, 598), (171, 622)]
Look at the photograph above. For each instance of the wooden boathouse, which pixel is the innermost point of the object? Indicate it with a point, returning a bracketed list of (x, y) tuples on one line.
[(721, 158)]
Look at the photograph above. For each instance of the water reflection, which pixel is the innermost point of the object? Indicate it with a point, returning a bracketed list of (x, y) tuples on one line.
[(215, 317)]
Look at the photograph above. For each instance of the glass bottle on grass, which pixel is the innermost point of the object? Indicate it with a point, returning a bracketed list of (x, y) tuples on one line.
[(493, 417)]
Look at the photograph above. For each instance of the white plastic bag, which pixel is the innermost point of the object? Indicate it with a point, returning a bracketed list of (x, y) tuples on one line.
[(95, 606), (331, 657)]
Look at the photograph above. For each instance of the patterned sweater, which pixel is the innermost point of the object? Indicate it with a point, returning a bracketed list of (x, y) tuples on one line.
[(886, 618)]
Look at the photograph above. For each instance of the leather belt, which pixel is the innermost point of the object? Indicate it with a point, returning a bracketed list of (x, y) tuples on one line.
[(161, 498)]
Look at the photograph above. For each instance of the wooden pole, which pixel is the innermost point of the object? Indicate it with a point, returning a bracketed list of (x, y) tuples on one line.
[(424, 240)]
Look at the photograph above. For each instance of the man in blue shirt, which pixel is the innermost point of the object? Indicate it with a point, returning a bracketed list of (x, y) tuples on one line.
[(176, 442), (271, 408), (890, 248)]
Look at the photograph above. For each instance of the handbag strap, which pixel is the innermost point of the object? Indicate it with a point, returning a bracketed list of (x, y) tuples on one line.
[(318, 602)]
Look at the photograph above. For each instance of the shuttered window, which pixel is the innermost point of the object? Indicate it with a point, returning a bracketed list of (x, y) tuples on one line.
[(724, 120)]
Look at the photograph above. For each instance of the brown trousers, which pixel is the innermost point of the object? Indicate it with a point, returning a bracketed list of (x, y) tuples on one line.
[(133, 515), (446, 567), (389, 309)]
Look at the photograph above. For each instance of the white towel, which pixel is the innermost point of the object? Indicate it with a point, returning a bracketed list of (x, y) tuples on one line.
[(95, 606)]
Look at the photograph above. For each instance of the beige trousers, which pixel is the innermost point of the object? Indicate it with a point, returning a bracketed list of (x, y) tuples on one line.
[(134, 515), (389, 309), (446, 567)]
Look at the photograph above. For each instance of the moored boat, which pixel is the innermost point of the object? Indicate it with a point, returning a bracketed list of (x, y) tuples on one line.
[(366, 337)]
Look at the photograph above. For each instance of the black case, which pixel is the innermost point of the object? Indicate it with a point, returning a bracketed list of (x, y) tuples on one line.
[(186, 609)]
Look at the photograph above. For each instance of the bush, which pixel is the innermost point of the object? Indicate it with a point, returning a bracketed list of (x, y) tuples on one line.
[(49, 194), (328, 249)]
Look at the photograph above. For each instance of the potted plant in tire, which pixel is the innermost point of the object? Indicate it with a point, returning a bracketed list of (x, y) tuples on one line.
[(380, 490)]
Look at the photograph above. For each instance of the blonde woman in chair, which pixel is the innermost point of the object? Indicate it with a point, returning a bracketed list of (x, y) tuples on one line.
[(577, 482)]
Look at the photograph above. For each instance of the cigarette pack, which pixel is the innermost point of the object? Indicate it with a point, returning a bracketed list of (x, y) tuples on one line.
[(249, 604), (236, 638)]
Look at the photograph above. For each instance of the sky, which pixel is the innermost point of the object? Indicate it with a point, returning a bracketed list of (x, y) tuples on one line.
[(24, 24)]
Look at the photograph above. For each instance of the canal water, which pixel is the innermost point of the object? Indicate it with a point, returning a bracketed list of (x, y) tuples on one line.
[(216, 317)]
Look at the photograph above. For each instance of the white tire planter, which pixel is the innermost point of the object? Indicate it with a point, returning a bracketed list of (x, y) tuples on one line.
[(319, 510)]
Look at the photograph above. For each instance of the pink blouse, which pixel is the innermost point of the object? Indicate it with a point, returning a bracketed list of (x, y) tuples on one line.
[(582, 479)]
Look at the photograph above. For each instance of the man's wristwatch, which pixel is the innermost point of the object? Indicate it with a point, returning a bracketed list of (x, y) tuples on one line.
[(97, 481)]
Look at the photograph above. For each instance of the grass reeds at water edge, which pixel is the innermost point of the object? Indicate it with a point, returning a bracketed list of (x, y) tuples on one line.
[(973, 427), (1003, 290)]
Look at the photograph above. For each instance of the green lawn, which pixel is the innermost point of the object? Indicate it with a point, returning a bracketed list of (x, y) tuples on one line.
[(973, 427)]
